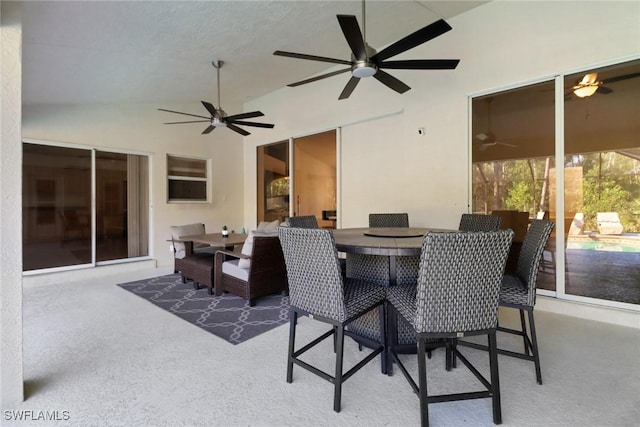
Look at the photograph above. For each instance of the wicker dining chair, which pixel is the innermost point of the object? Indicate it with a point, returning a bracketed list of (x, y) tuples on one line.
[(519, 291), (479, 222), (388, 220), (457, 295), (303, 221), (376, 268), (318, 289)]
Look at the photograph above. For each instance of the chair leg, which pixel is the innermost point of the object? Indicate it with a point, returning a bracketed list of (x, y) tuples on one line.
[(384, 360), (534, 347), (451, 360), (293, 315), (523, 324), (422, 381), (392, 331), (495, 379), (337, 396)]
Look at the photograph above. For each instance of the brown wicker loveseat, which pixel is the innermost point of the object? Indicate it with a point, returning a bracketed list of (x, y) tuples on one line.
[(263, 274)]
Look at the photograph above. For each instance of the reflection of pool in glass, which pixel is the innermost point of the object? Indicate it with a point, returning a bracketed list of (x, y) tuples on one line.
[(608, 246)]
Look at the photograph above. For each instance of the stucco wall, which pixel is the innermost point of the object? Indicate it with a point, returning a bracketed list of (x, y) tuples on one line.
[(11, 389)]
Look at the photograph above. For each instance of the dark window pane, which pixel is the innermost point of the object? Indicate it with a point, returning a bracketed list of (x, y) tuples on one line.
[(187, 190), (56, 206)]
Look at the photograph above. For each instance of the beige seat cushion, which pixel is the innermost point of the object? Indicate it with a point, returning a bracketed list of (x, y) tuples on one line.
[(186, 230), (232, 269), (247, 247)]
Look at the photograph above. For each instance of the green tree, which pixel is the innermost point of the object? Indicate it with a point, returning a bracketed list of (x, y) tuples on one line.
[(519, 196)]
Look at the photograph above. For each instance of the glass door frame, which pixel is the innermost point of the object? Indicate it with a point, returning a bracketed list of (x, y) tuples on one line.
[(93, 262), (559, 80)]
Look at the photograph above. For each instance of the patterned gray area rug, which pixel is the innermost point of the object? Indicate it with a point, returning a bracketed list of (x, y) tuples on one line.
[(227, 316)]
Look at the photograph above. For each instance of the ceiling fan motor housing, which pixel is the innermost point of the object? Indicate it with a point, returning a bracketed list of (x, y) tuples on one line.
[(364, 67), (218, 121)]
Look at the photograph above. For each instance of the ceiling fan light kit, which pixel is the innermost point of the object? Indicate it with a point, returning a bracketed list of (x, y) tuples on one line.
[(367, 62), (589, 84)]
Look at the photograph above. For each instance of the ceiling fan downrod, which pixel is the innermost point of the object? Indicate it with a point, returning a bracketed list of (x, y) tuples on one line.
[(364, 67), (217, 121)]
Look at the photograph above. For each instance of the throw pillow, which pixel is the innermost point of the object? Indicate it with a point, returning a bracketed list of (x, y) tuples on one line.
[(247, 247), (268, 226)]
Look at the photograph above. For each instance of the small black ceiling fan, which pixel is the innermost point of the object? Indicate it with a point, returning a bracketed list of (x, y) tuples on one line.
[(488, 138), (590, 84), (366, 61), (219, 117)]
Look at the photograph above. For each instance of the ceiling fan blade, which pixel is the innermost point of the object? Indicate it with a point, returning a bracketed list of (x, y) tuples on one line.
[(316, 78), (421, 64), (390, 81), (244, 116), (208, 129), (482, 136), (210, 108), (237, 129), (603, 90), (243, 123), (423, 35), (622, 77), (185, 114), (192, 121), (349, 87), (352, 33), (311, 57)]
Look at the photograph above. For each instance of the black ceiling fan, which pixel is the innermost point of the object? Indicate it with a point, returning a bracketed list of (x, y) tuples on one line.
[(488, 138), (219, 117), (366, 61), (591, 84)]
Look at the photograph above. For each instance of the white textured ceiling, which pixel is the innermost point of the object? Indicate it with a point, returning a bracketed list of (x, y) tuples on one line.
[(79, 52)]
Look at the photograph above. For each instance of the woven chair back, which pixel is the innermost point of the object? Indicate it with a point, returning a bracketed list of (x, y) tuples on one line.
[(459, 281), (389, 220), (304, 221), (313, 270), (531, 254), (479, 222)]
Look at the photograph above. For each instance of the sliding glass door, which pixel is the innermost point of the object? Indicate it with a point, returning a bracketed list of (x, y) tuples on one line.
[(314, 162), (513, 161), (514, 174), (602, 183), (61, 227), (273, 181)]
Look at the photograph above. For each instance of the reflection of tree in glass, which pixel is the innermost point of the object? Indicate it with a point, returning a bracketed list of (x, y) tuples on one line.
[(610, 183), (514, 184), (279, 187)]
